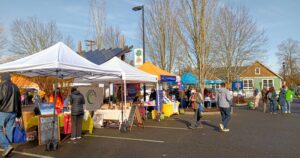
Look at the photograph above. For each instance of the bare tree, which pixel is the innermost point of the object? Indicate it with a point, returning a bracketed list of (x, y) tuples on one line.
[(68, 40), (2, 38), (97, 21), (197, 18), (289, 52), (161, 33), (238, 41), (112, 37), (31, 35)]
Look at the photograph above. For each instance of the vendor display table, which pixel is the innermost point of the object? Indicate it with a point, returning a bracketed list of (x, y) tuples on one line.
[(170, 109), (114, 115), (86, 125)]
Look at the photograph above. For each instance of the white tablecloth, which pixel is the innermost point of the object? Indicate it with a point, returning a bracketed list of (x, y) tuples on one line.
[(115, 115)]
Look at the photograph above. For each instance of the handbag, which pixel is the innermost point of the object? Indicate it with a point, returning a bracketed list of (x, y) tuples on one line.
[(19, 134), (201, 108)]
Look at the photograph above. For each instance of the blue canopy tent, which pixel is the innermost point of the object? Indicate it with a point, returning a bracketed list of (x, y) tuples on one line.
[(189, 79), (208, 82)]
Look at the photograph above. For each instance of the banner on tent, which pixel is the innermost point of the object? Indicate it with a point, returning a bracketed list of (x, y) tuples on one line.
[(93, 97), (159, 94), (167, 78)]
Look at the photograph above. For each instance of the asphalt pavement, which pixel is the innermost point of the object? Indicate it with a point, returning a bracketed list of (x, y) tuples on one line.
[(253, 134)]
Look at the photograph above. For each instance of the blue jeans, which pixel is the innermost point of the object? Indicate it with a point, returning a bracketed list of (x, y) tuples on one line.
[(225, 114), (7, 121), (288, 106), (272, 106)]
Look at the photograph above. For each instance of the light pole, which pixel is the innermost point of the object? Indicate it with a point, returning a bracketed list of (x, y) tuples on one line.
[(138, 8), (283, 66)]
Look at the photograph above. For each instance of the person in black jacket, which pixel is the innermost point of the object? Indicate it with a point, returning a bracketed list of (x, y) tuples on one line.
[(10, 108), (77, 101)]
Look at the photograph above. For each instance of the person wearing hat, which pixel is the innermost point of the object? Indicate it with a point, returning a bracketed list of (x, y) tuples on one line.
[(196, 99), (10, 109)]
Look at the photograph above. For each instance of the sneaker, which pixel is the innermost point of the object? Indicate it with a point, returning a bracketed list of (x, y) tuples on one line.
[(221, 126), (289, 112), (7, 151), (190, 127), (73, 138), (78, 137), (226, 130)]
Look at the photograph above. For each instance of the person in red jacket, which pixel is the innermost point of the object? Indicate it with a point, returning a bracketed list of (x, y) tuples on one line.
[(59, 100)]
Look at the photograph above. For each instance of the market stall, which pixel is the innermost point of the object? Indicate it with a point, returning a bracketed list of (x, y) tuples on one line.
[(163, 76), (130, 74), (57, 61)]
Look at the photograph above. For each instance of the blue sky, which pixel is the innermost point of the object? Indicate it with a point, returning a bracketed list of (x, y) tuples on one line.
[(279, 18)]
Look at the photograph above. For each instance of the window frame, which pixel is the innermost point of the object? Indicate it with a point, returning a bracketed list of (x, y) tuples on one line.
[(257, 73), (268, 83), (248, 87)]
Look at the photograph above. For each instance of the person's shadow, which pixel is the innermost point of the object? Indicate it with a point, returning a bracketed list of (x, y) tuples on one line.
[(215, 128), (186, 122), (205, 123)]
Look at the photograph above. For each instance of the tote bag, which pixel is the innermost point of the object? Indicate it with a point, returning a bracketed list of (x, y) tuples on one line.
[(19, 134)]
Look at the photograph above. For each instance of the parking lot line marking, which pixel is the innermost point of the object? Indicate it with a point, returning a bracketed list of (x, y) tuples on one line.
[(123, 138), (167, 127), (29, 154)]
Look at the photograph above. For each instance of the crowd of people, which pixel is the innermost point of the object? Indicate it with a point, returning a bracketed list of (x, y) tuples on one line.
[(272, 102)]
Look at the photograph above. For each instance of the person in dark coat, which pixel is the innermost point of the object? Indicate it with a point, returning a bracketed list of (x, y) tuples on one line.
[(10, 109), (282, 99), (77, 101)]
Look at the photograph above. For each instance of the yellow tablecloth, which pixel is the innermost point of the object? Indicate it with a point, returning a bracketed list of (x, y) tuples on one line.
[(87, 125), (169, 109)]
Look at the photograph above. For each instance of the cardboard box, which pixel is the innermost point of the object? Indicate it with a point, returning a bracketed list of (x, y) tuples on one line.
[(26, 115)]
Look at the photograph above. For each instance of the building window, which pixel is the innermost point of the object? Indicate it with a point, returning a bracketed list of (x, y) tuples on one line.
[(268, 83), (215, 86), (257, 71), (248, 84)]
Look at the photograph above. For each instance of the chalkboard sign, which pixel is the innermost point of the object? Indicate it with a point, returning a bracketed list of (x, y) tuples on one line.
[(45, 126), (131, 115), (134, 115)]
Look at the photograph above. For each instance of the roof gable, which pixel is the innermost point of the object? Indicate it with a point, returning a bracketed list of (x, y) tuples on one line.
[(263, 72)]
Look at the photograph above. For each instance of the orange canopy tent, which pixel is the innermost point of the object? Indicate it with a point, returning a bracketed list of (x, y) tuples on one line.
[(154, 70)]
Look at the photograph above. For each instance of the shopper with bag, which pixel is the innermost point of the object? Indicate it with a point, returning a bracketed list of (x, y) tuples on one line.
[(224, 100), (10, 109), (196, 101), (77, 101)]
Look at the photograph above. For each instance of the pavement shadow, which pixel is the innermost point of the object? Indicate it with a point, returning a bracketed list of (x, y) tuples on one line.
[(186, 122), (215, 128)]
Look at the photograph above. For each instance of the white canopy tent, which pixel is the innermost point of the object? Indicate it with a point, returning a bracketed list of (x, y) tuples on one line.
[(129, 73), (59, 61)]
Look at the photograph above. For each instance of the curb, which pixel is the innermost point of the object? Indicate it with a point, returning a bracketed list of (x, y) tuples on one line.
[(238, 105), (204, 113)]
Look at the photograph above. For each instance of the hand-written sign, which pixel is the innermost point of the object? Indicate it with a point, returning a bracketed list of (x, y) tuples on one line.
[(134, 114), (45, 126)]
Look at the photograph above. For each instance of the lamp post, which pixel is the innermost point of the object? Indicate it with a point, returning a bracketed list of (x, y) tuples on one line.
[(138, 8), (283, 66)]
